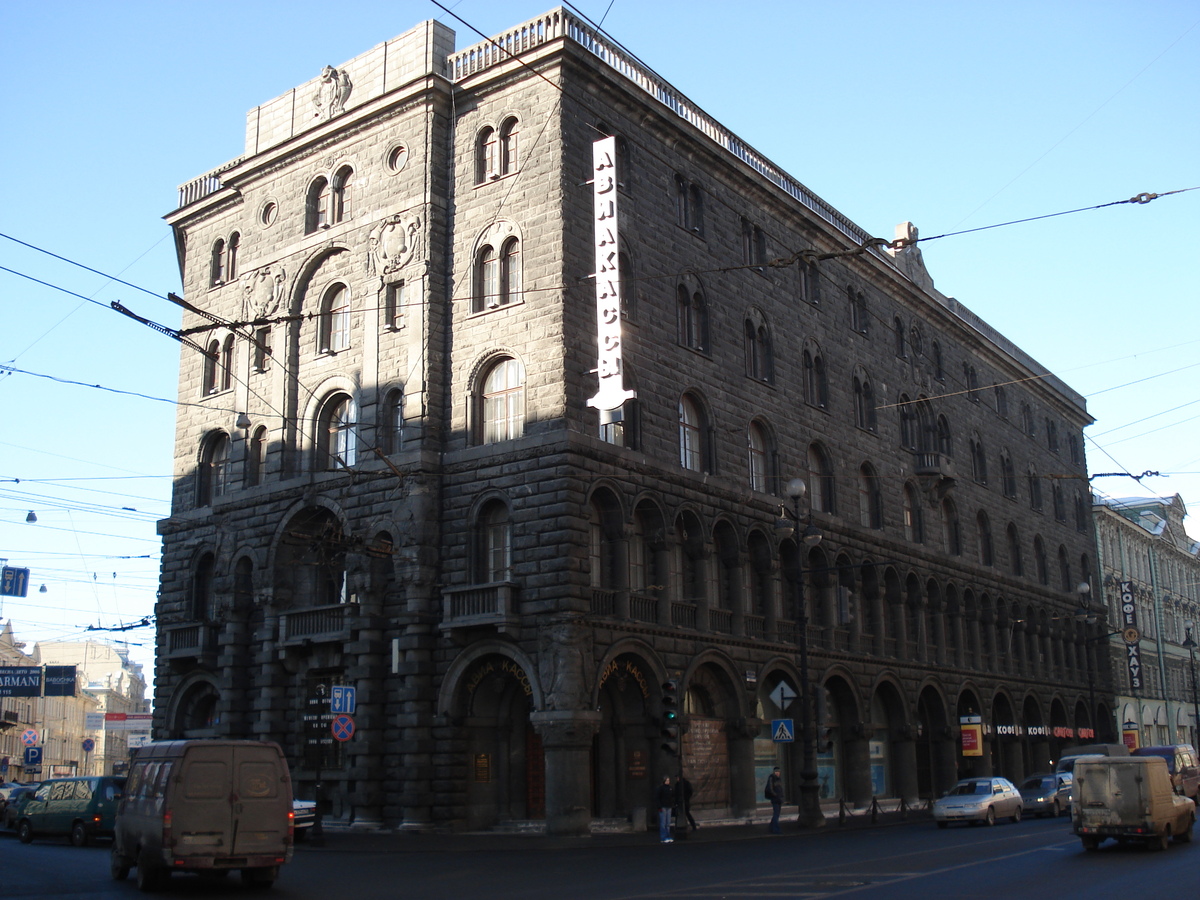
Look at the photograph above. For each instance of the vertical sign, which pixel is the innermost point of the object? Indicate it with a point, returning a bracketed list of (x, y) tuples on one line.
[(972, 735), (612, 393), (1130, 629), (14, 582)]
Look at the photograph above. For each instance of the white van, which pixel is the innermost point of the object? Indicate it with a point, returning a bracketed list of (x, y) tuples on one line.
[(1129, 798), (204, 806)]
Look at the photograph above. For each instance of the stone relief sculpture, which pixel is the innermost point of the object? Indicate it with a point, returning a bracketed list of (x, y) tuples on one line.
[(332, 93), (263, 292), (563, 648), (908, 259), (393, 244)]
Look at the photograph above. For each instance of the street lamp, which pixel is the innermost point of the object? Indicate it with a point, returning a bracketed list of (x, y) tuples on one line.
[(1190, 643), (811, 815)]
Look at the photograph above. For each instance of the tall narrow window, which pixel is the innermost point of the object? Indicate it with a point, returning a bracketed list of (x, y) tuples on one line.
[(754, 244), (218, 263), (695, 209), (978, 460), (316, 207), (200, 601), (493, 556), (334, 325), (212, 364), (510, 271), (908, 422), (502, 399), (342, 195), (393, 305), (939, 369), (914, 529), (215, 469), (945, 441), (262, 348), (1008, 474), (984, 527), (392, 422), (256, 457), (859, 321), (1015, 563), (870, 499), (681, 202), (972, 380), (1001, 401), (821, 479), (227, 358), (1035, 489), (951, 530), (486, 163), (1041, 569), (231, 253), (340, 438), (1059, 501), (816, 387), (691, 434), (692, 319), (756, 442), (810, 282), (759, 363), (898, 337), (509, 157), (864, 401)]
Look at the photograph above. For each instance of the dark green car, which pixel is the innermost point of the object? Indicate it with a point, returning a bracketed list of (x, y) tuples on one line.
[(78, 808)]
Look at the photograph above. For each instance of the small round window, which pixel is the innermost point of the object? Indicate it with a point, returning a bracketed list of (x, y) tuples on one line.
[(397, 156), (269, 211)]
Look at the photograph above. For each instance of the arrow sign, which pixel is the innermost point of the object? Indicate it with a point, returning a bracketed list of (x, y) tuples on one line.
[(782, 731), (783, 695)]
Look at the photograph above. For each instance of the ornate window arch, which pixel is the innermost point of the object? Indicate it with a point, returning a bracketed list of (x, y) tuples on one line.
[(693, 433), (316, 205), (333, 325), (500, 400), (215, 472), (337, 433)]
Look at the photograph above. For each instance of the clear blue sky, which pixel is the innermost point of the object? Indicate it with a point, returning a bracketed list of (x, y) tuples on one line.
[(953, 115)]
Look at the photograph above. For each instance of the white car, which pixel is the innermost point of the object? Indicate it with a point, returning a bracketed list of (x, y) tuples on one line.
[(980, 799)]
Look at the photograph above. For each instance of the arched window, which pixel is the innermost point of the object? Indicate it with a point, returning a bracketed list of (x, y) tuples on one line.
[(510, 271), (486, 163), (502, 401), (972, 380), (497, 275), (227, 357), (1040, 565), (816, 386), (1001, 401), (693, 558), (217, 276), (1035, 489), (1081, 512), (493, 544), (391, 422), (951, 530), (864, 401), (978, 460), (870, 497), (316, 206), (821, 480), (759, 457), (212, 363), (810, 282), (1059, 500), (908, 422), (945, 441), (1015, 564), (692, 434), (338, 434), (759, 363), (256, 457), (914, 528), (939, 369), (243, 584), (343, 197), (987, 556), (333, 327), (231, 257), (1064, 570), (1008, 474), (200, 599), (215, 469), (898, 337), (1027, 419), (859, 319), (509, 156), (692, 319)]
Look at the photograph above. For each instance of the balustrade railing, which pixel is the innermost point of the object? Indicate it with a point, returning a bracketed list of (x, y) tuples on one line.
[(479, 604), (720, 620), (756, 627), (683, 615), (604, 603), (208, 183), (317, 623), (643, 607)]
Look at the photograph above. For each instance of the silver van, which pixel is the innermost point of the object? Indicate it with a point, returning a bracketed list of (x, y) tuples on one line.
[(1129, 798), (204, 806)]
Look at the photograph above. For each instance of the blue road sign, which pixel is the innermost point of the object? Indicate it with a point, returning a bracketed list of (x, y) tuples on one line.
[(33, 756), (343, 700), (14, 582), (782, 731), (88, 745), (342, 728)]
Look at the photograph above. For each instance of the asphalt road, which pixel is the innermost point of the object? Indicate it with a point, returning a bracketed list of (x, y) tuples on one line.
[(1033, 859)]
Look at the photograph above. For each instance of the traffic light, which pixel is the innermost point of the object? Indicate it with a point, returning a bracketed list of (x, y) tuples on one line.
[(670, 717)]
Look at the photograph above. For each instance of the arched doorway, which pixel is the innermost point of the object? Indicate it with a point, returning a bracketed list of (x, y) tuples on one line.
[(708, 706), (624, 745), (194, 713), (505, 762), (1009, 760), (1038, 757), (892, 756), (936, 771)]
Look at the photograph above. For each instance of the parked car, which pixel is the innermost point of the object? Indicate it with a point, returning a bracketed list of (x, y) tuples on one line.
[(305, 817), (1181, 763), (10, 807), (1047, 794), (79, 808), (978, 800), (1066, 762), (208, 807), (1129, 799)]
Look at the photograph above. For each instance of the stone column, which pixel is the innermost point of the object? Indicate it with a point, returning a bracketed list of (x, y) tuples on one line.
[(743, 796), (567, 742), (856, 756)]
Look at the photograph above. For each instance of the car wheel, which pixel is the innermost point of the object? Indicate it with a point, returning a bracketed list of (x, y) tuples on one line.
[(1185, 836), (989, 817), (79, 835), (942, 824), (1090, 842), (1160, 841), (260, 878), (24, 832), (1016, 816), (150, 877), (1055, 810), (118, 865)]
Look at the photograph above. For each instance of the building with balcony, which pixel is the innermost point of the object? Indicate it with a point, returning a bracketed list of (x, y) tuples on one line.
[(462, 436)]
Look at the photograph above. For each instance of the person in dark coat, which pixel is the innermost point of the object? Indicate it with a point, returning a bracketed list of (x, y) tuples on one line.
[(683, 800), (664, 799), (774, 793)]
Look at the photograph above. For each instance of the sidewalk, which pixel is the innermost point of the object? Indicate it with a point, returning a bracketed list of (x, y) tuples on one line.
[(342, 838)]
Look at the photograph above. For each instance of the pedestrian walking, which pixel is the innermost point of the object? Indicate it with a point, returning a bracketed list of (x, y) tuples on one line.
[(683, 800), (774, 793), (664, 799)]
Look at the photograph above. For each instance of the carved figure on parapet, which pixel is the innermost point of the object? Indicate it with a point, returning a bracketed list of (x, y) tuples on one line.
[(908, 258), (332, 93), (262, 292), (393, 244)]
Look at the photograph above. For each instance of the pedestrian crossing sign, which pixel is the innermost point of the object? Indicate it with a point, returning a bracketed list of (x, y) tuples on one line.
[(782, 731)]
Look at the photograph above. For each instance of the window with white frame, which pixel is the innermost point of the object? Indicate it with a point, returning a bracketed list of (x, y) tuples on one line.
[(502, 401), (338, 433), (493, 543), (333, 332)]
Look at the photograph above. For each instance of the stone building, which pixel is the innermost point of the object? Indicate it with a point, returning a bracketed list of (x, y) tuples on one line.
[(400, 467), (1150, 569)]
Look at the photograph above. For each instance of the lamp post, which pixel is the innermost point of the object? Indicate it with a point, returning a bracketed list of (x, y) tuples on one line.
[(1190, 643), (811, 815)]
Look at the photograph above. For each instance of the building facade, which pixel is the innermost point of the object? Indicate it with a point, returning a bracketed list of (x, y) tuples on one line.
[(1150, 569), (395, 471)]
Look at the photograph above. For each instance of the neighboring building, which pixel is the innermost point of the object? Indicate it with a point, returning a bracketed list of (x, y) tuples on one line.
[(115, 684), (1149, 563), (388, 475), (17, 714)]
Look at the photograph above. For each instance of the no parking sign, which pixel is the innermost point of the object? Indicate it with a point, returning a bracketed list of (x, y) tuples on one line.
[(342, 728)]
